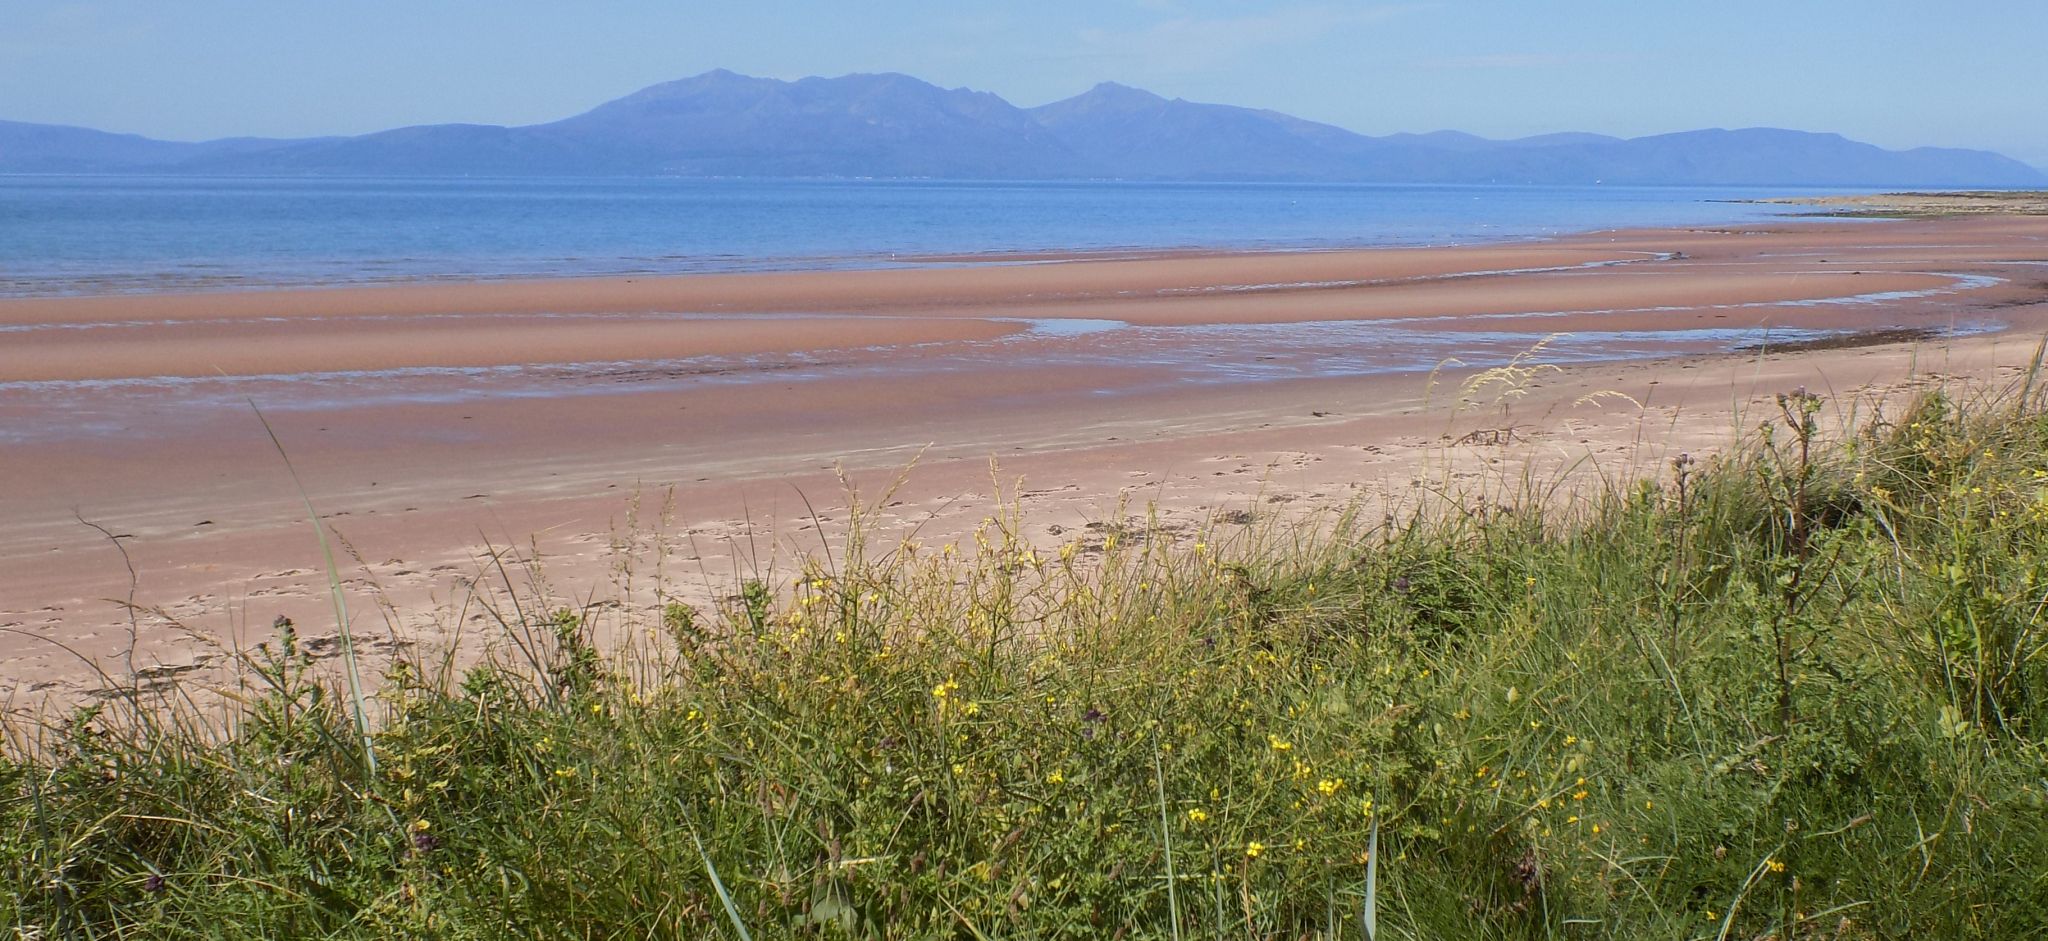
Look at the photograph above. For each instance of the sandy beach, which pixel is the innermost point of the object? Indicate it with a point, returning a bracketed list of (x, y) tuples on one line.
[(583, 422)]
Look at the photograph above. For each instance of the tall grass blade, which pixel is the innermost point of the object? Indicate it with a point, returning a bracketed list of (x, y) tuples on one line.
[(347, 635), (1735, 904), (2025, 400), (1369, 913), (732, 910), (1166, 839)]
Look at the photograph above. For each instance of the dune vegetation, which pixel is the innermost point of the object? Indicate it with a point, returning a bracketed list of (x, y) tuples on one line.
[(1796, 690)]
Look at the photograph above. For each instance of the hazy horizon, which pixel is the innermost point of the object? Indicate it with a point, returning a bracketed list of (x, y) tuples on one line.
[(1895, 74)]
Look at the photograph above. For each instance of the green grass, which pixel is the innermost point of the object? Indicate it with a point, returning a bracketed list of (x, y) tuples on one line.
[(1798, 691)]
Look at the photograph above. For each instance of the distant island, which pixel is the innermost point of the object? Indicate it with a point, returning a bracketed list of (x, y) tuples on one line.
[(891, 126)]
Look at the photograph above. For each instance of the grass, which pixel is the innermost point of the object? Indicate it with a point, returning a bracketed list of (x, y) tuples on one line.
[(1800, 690)]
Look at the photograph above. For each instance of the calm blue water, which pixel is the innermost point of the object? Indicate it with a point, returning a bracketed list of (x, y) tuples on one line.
[(69, 235)]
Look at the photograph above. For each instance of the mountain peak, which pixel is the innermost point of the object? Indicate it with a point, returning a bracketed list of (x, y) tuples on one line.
[(1121, 90), (713, 78), (713, 83), (1104, 97)]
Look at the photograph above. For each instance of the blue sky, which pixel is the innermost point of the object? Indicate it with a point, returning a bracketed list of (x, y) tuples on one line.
[(1892, 72)]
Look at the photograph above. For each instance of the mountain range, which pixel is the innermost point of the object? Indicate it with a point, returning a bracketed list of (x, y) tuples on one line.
[(721, 124)]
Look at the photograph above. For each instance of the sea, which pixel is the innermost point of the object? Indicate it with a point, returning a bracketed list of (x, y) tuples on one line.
[(69, 235)]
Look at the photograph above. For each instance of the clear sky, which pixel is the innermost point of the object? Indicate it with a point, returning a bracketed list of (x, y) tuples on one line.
[(1898, 73)]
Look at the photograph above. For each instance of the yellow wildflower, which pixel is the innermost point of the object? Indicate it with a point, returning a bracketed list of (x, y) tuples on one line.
[(1253, 849)]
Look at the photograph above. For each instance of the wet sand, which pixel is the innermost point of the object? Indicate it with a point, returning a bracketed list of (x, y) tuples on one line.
[(560, 417), (1900, 205)]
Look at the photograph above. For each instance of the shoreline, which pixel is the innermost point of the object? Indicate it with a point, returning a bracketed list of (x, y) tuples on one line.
[(499, 293), (417, 485), (234, 275), (795, 264)]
